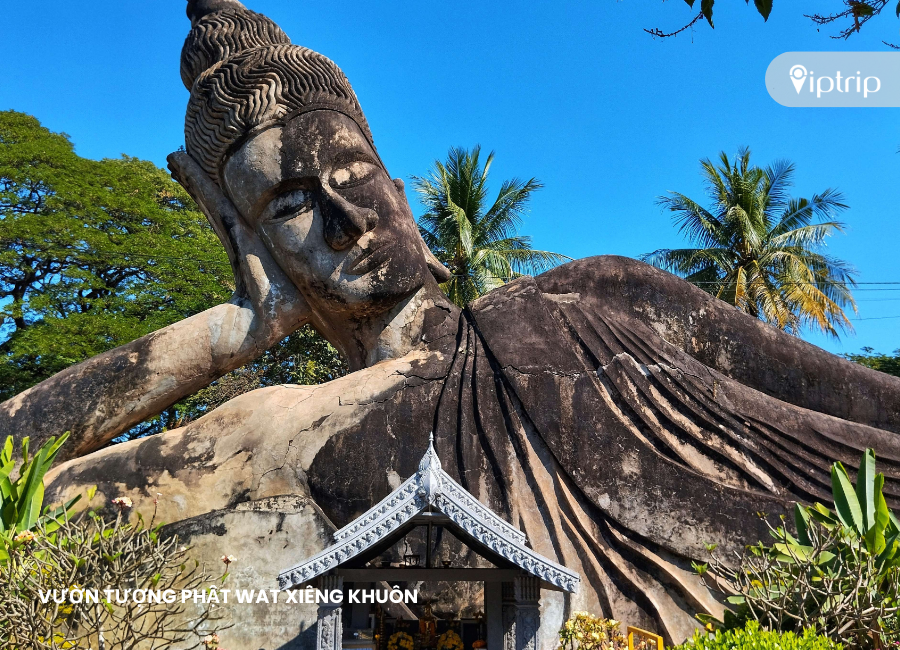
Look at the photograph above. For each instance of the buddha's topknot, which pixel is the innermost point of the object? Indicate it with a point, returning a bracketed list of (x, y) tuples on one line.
[(222, 34), (244, 74)]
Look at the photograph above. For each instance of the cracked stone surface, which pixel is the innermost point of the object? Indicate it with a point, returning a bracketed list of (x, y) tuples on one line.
[(625, 420)]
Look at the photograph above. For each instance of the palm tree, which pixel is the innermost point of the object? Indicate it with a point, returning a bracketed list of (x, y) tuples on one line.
[(760, 248), (477, 242)]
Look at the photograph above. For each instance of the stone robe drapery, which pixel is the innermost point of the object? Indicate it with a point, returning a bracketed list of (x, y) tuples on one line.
[(620, 417)]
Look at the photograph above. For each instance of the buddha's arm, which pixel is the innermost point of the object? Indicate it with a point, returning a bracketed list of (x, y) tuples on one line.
[(106, 395), (721, 337)]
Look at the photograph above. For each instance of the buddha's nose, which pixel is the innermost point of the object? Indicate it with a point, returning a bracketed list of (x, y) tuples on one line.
[(345, 223)]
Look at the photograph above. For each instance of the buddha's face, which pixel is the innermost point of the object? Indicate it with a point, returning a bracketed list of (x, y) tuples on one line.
[(334, 221)]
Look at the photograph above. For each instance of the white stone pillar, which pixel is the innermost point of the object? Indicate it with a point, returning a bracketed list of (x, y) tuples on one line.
[(329, 626), (521, 613)]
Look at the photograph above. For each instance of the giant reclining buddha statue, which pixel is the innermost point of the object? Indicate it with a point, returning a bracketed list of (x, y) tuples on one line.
[(619, 416)]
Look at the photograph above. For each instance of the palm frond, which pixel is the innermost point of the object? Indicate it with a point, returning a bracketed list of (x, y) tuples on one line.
[(760, 248), (480, 247)]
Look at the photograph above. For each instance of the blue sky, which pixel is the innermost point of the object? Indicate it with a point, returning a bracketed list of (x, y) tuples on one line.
[(573, 93)]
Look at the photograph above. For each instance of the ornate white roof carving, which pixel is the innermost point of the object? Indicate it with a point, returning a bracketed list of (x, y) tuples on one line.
[(430, 488)]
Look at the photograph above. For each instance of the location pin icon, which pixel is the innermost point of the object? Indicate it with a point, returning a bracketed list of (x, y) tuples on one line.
[(798, 77)]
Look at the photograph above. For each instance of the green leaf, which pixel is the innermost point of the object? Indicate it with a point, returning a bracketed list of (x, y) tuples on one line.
[(700, 568), (6, 454), (31, 513), (709, 619), (91, 492), (59, 511), (882, 513), (764, 7), (801, 520), (52, 447), (898, 10), (32, 487), (794, 552), (824, 557), (823, 515), (892, 544), (6, 470), (690, 3), (706, 8), (845, 501), (865, 489), (875, 542)]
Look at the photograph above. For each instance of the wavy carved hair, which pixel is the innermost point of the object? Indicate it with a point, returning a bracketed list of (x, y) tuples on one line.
[(244, 75)]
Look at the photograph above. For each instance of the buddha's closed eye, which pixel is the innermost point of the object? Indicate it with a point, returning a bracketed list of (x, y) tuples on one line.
[(288, 205), (352, 174)]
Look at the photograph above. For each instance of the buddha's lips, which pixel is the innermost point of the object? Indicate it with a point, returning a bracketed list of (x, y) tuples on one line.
[(371, 259)]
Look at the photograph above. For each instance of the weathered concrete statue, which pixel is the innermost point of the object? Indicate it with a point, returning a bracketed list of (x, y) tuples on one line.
[(618, 415)]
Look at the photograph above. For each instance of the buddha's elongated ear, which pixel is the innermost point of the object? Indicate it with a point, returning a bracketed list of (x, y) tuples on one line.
[(258, 279), (218, 208), (440, 272)]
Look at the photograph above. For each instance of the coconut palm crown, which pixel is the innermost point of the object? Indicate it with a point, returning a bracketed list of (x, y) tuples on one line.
[(478, 242), (761, 250)]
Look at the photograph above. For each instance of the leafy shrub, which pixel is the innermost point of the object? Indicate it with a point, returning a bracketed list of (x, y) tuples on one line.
[(840, 575), (587, 632), (753, 637), (89, 553)]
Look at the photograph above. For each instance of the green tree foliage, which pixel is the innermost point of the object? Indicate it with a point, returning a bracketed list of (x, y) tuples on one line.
[(889, 363), (477, 241), (94, 254), (760, 248)]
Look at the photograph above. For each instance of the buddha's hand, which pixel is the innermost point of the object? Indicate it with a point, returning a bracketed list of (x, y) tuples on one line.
[(260, 284)]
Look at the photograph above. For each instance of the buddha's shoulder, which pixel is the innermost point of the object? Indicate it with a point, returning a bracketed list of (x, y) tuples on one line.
[(612, 276)]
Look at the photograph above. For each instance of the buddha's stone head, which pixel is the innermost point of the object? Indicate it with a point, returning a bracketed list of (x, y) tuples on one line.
[(279, 130)]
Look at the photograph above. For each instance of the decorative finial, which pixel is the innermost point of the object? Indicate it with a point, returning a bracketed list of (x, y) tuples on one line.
[(429, 474)]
